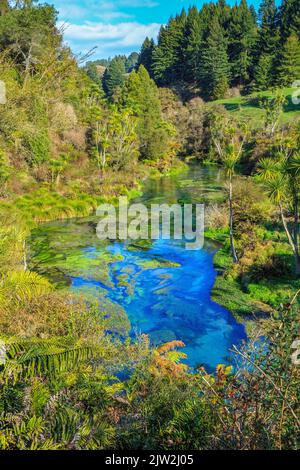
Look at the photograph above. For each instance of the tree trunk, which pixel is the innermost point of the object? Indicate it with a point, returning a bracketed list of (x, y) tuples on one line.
[(296, 221), (293, 241), (27, 61), (296, 236), (232, 247)]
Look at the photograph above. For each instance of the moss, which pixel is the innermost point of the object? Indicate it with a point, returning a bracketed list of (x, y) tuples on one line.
[(228, 293), (140, 245), (158, 263), (249, 300), (274, 292)]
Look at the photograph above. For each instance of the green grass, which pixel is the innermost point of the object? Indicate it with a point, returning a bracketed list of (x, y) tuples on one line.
[(251, 301), (247, 107), (229, 293)]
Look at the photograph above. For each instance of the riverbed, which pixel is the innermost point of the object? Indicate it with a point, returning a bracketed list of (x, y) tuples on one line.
[(164, 289)]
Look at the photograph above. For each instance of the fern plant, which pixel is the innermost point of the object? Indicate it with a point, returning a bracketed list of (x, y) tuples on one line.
[(35, 357), (18, 286)]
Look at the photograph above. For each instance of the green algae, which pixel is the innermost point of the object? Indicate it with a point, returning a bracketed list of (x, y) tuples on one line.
[(157, 263)]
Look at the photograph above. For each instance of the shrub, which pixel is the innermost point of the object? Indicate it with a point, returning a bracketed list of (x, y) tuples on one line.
[(38, 145)]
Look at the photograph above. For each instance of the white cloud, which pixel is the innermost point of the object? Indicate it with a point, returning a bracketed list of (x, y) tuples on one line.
[(111, 25), (127, 33), (110, 39)]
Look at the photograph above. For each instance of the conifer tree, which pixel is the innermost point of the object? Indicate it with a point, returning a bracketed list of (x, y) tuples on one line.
[(268, 38), (179, 50), (222, 11), (168, 55), (192, 40), (243, 47), (290, 18), (263, 73), (146, 55), (289, 61), (114, 76), (214, 66), (131, 61), (242, 35)]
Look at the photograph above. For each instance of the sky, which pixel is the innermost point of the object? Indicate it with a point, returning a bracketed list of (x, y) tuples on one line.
[(116, 26)]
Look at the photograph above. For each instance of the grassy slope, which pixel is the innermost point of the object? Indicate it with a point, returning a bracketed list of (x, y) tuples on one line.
[(228, 292), (249, 301), (246, 107), (242, 301)]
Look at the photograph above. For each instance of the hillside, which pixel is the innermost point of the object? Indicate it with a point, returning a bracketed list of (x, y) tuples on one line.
[(249, 108)]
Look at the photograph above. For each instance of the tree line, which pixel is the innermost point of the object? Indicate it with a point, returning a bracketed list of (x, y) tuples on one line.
[(219, 46)]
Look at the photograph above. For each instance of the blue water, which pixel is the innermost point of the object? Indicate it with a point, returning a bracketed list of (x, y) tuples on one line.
[(175, 303), (167, 303)]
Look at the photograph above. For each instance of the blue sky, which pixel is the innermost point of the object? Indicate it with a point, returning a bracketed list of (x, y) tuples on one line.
[(117, 26)]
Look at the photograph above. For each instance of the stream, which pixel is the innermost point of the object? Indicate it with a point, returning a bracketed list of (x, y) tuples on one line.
[(164, 289)]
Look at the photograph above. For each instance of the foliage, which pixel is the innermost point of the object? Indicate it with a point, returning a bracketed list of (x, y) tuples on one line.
[(167, 63), (214, 66), (145, 56), (289, 61), (219, 46), (156, 136), (114, 76), (281, 177)]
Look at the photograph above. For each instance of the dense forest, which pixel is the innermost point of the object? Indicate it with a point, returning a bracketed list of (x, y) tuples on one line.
[(219, 49), (215, 88)]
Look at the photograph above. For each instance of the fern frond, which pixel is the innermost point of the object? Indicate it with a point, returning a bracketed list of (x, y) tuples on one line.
[(170, 346), (23, 285), (44, 357)]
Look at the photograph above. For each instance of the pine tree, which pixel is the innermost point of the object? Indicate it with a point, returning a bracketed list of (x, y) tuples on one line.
[(214, 65), (206, 15), (268, 39), (253, 13), (289, 61), (114, 76), (179, 51), (222, 11), (263, 72), (242, 35), (146, 55), (131, 61), (192, 40), (168, 55), (290, 18)]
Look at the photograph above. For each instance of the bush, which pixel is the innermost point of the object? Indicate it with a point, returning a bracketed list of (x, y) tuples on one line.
[(38, 146)]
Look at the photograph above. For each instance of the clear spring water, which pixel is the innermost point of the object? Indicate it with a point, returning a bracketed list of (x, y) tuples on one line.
[(164, 289)]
